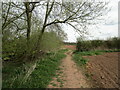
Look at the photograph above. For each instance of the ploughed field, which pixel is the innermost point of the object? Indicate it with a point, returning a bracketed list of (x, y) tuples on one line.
[(104, 69), (71, 47)]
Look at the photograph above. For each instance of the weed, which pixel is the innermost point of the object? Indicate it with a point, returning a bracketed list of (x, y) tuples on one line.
[(87, 75), (79, 60), (61, 85), (58, 79), (54, 84), (46, 69), (81, 86), (60, 72)]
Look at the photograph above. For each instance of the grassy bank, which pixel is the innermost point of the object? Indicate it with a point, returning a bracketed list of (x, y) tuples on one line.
[(40, 77), (77, 57)]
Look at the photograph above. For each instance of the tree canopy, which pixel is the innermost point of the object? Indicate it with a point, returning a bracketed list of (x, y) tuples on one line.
[(22, 19)]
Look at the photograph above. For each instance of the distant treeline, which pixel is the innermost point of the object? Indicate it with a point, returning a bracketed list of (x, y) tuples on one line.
[(70, 43), (111, 43)]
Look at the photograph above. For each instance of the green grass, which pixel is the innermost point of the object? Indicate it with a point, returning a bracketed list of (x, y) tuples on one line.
[(45, 70), (79, 60), (42, 75), (12, 74), (77, 57), (89, 53), (54, 84), (96, 52), (63, 50)]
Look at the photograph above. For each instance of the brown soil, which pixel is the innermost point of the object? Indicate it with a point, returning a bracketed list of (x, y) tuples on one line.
[(71, 76), (71, 47), (104, 69)]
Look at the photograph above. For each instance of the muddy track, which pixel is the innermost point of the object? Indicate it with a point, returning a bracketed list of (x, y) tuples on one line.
[(70, 76)]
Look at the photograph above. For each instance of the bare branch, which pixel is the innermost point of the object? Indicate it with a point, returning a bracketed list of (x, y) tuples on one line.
[(7, 14), (18, 28), (57, 21), (11, 20)]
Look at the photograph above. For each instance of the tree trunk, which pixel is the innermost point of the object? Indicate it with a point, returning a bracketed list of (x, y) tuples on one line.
[(29, 15)]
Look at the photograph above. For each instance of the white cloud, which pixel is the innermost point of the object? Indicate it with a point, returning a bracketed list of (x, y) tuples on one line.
[(107, 29)]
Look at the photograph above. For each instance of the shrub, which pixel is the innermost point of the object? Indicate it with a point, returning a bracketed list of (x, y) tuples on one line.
[(112, 43), (83, 45), (39, 78), (96, 43)]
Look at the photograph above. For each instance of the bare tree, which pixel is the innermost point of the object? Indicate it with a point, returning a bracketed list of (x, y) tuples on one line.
[(72, 13), (54, 13)]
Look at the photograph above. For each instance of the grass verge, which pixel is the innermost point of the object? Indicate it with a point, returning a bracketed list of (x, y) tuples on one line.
[(81, 61), (40, 77)]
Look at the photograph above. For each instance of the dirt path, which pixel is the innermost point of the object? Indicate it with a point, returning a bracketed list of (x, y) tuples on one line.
[(69, 76)]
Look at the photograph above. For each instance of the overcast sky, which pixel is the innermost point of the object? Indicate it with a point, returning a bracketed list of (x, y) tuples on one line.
[(108, 28)]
